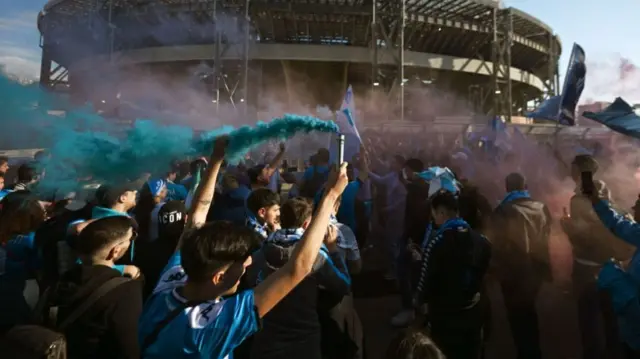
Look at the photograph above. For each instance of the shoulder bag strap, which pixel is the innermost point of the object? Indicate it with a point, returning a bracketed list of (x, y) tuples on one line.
[(105, 288), (153, 336)]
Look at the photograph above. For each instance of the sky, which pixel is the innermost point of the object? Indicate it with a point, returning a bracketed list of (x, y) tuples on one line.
[(606, 32)]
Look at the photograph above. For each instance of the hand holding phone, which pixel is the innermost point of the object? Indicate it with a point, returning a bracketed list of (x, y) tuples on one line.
[(588, 187), (341, 139)]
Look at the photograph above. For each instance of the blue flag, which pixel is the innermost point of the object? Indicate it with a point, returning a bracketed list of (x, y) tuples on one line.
[(562, 108), (345, 119), (619, 116)]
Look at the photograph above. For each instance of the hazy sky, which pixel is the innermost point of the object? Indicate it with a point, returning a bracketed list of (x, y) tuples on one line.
[(605, 29)]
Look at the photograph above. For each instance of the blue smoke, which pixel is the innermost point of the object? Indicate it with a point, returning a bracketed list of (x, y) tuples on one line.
[(84, 144)]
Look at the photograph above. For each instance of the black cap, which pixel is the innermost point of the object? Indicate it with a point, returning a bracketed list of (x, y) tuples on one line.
[(172, 217)]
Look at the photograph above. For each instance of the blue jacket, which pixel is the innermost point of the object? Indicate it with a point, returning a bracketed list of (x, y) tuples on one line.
[(623, 285)]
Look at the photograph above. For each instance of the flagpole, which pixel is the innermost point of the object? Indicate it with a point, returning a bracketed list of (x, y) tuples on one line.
[(402, 26)]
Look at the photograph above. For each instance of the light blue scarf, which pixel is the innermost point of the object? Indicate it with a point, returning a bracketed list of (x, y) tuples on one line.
[(450, 223), (514, 195), (286, 237)]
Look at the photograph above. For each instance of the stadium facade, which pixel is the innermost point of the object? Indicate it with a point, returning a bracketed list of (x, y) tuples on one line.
[(496, 59)]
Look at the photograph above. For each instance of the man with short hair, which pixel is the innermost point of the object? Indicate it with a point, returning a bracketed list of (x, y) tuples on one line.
[(592, 244), (455, 260), (263, 211), (27, 176), (176, 191), (109, 328), (292, 329), (192, 309), (520, 234), (315, 176)]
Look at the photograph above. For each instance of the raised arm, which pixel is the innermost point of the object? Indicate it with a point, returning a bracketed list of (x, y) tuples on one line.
[(622, 227), (276, 286), (203, 197), (273, 166)]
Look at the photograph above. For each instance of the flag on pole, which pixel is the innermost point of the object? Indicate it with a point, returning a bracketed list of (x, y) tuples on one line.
[(346, 121), (562, 108), (619, 117)]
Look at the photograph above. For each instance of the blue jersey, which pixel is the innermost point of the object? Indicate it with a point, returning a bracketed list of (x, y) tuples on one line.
[(19, 258), (211, 329)]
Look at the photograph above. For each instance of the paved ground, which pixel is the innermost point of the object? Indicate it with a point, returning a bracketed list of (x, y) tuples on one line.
[(557, 314)]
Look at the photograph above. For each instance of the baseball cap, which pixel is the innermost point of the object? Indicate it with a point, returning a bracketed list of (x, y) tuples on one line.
[(107, 194), (172, 217)]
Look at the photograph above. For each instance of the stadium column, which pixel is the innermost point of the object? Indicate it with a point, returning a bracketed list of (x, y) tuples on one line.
[(502, 32), (245, 59), (387, 40), (553, 83)]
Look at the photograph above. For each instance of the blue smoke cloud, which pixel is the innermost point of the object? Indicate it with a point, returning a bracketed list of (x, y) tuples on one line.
[(84, 144)]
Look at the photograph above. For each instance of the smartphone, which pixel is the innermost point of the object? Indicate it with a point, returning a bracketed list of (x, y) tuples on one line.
[(588, 187), (340, 149)]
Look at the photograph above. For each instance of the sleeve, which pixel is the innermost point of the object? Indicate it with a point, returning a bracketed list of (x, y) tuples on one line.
[(377, 179), (430, 268), (124, 320), (236, 321), (172, 275), (623, 228), (332, 272), (622, 288), (581, 212), (348, 242)]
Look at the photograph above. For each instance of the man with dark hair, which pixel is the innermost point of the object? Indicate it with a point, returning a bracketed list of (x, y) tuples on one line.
[(592, 244), (109, 328), (520, 233), (175, 191), (416, 216), (454, 262), (111, 201), (315, 176), (4, 164), (194, 167), (266, 174), (263, 211), (193, 309), (394, 198), (27, 176), (292, 329)]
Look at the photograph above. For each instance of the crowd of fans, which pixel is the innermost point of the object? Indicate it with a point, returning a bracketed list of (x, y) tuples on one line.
[(256, 261)]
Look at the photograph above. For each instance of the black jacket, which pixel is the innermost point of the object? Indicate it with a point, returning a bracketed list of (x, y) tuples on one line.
[(109, 329), (458, 260)]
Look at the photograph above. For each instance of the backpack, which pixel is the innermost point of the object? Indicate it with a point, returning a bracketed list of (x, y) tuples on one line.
[(34, 341), (313, 185)]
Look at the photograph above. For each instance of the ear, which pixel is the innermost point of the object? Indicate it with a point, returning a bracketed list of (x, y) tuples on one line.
[(114, 253), (218, 278), (306, 223), (122, 198), (262, 212)]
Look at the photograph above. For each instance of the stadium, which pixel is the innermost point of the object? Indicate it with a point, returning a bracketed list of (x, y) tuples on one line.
[(496, 60)]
